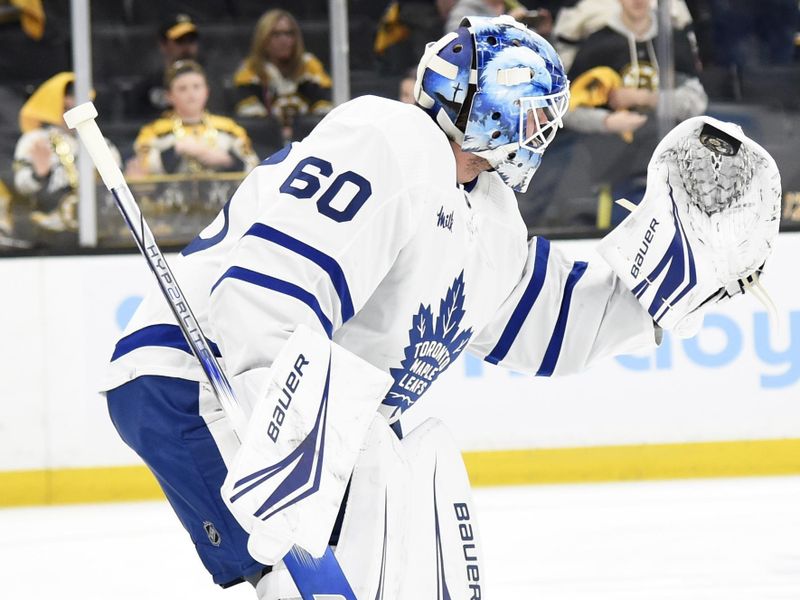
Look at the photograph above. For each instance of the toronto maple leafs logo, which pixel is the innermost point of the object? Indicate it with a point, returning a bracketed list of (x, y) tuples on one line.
[(433, 346)]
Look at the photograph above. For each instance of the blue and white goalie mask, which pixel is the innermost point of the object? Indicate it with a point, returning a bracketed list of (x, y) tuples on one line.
[(498, 90)]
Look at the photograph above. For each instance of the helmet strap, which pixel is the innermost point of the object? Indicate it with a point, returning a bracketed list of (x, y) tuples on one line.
[(450, 130)]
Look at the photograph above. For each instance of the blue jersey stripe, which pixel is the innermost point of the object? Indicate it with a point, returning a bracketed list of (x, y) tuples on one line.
[(165, 336), (680, 234), (199, 243), (280, 286), (525, 304), (325, 262), (557, 339)]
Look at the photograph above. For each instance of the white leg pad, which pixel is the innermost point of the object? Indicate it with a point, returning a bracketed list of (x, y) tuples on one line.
[(409, 530), (445, 558), (372, 545)]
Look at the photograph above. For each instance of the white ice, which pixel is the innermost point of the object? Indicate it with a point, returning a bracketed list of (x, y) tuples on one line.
[(732, 539)]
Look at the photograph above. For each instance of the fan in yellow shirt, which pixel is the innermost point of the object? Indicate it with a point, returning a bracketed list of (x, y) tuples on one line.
[(188, 139)]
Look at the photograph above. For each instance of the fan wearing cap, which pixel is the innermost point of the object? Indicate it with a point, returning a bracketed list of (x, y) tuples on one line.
[(177, 40), (45, 167), (187, 138)]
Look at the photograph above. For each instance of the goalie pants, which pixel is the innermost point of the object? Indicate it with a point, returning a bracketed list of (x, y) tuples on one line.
[(158, 417)]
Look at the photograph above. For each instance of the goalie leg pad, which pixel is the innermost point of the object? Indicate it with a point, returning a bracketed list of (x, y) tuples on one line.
[(409, 529), (445, 554), (286, 483), (372, 543)]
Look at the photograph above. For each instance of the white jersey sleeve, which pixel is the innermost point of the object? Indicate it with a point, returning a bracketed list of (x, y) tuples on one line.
[(562, 316), (333, 215)]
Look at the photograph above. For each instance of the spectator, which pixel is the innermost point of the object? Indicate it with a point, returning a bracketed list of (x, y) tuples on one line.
[(45, 167), (611, 129), (626, 47), (6, 221), (488, 8), (406, 87), (178, 40), (404, 30), (279, 77), (188, 139), (574, 24)]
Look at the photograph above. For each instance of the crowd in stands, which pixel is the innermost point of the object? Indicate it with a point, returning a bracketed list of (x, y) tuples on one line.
[(611, 129), (45, 169), (187, 88)]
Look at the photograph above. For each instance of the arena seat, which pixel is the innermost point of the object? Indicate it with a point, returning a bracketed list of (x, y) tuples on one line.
[(265, 133)]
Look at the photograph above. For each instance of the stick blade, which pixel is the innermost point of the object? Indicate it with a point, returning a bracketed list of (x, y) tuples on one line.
[(318, 578)]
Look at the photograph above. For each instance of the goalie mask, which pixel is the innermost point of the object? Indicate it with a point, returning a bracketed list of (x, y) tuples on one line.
[(498, 90)]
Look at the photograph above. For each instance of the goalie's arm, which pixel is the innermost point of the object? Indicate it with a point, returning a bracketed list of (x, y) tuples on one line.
[(562, 316)]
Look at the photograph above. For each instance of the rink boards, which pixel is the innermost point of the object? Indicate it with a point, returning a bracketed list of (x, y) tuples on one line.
[(724, 403)]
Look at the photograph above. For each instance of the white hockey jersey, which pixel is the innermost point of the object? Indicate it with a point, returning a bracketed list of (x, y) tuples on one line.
[(361, 232)]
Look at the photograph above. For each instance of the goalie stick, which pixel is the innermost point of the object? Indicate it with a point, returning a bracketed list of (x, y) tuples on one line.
[(315, 578)]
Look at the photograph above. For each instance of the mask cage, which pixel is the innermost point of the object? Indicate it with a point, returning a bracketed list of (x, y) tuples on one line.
[(540, 117)]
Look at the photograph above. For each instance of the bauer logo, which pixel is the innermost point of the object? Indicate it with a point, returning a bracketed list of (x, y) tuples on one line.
[(285, 397), (433, 345), (467, 534), (638, 260), (678, 267)]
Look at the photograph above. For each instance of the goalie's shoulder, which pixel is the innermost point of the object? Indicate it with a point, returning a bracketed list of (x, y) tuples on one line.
[(397, 122), (382, 129)]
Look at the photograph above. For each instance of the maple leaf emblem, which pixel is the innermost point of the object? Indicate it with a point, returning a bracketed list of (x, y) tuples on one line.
[(433, 345)]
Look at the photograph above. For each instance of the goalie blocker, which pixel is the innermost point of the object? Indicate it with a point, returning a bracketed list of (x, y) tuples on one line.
[(286, 482), (705, 226)]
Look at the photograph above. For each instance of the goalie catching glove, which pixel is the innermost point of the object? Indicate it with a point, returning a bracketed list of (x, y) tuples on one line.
[(705, 227)]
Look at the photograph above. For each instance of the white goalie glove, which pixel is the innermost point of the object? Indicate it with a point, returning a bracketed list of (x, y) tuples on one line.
[(705, 226)]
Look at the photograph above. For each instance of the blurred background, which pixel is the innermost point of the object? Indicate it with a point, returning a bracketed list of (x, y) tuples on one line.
[(273, 69)]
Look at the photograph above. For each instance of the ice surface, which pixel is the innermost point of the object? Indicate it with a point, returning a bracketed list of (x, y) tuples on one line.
[(730, 539)]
